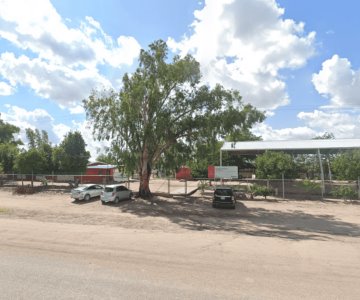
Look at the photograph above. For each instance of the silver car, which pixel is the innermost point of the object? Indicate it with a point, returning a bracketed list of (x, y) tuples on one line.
[(115, 193), (86, 192)]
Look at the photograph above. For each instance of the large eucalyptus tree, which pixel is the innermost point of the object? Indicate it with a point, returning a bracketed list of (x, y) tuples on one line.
[(160, 105)]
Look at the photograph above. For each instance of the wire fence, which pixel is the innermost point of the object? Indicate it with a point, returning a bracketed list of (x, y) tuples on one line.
[(246, 188)]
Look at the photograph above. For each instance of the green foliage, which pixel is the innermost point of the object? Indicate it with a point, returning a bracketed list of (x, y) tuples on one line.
[(260, 190), (108, 158), (346, 166), (344, 192), (7, 132), (160, 106), (8, 154), (36, 138), (272, 164), (31, 161), (40, 141), (310, 186), (202, 185), (8, 146), (71, 156)]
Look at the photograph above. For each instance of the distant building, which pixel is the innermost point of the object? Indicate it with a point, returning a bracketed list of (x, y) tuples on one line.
[(99, 172)]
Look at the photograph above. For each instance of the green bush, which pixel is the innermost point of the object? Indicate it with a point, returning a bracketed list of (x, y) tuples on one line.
[(310, 186), (260, 190), (344, 192)]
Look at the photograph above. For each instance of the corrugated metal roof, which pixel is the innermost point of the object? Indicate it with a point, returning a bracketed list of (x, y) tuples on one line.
[(291, 145), (101, 167)]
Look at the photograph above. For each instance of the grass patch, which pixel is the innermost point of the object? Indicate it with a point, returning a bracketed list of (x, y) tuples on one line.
[(4, 210)]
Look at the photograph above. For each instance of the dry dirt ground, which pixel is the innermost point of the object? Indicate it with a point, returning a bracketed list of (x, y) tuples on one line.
[(182, 248)]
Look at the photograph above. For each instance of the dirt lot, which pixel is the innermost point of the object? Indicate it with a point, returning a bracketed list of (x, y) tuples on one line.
[(272, 249)]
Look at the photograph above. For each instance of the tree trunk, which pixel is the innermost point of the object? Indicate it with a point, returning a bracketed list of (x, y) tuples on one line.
[(144, 175)]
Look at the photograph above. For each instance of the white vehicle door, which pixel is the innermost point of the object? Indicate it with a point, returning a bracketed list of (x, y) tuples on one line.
[(91, 191), (123, 192)]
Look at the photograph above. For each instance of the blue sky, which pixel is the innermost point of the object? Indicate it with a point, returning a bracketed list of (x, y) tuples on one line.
[(297, 60)]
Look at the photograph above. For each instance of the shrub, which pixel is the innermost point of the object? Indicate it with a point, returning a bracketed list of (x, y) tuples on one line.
[(344, 192), (202, 185), (260, 190), (310, 186)]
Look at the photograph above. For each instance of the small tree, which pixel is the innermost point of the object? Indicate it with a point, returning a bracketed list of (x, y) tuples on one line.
[(8, 146), (346, 166), (272, 165), (71, 155), (31, 161), (40, 141)]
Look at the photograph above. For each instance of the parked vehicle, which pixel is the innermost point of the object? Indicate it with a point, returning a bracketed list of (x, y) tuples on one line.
[(224, 197), (115, 193), (86, 192)]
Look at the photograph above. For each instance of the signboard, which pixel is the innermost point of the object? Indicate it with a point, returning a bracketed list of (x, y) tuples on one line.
[(226, 172)]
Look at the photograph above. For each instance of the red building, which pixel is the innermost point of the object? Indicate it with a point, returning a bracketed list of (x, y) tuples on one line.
[(98, 172)]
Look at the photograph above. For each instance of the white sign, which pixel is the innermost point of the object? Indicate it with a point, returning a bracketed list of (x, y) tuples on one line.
[(226, 172)]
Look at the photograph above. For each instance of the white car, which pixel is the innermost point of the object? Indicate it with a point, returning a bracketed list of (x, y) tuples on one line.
[(86, 192), (115, 193)]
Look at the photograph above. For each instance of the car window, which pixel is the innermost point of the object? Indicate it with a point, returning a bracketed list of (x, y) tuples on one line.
[(109, 189), (224, 192)]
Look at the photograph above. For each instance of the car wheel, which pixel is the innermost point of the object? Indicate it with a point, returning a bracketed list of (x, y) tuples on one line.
[(130, 196), (103, 202), (116, 200), (87, 197)]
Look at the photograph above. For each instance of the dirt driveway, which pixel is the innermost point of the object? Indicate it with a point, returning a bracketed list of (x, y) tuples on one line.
[(262, 249)]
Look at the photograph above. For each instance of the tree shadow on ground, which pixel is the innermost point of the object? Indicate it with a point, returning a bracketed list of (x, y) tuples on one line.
[(195, 214)]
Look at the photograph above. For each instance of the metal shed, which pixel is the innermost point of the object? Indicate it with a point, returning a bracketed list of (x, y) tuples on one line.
[(292, 146)]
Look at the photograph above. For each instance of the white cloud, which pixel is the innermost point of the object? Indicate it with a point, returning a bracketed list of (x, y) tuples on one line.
[(6, 89), (338, 82), (56, 82), (341, 124), (42, 120), (94, 146), (244, 44), (270, 134), (79, 109), (37, 118), (62, 62)]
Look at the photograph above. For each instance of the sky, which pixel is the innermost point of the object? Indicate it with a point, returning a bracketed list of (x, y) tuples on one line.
[(298, 61)]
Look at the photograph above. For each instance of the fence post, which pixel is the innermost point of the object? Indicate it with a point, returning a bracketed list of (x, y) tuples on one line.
[(32, 178), (168, 185), (283, 185), (185, 187)]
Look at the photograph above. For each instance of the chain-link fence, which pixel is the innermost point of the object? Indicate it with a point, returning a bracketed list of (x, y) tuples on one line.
[(296, 188), (248, 188)]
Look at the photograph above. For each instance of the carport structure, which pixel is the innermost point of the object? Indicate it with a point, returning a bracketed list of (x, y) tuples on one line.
[(294, 147)]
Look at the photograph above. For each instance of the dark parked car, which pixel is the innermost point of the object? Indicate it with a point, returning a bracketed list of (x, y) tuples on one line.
[(224, 197)]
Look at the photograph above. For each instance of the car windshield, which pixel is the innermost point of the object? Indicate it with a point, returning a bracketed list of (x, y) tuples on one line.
[(109, 189), (223, 192)]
